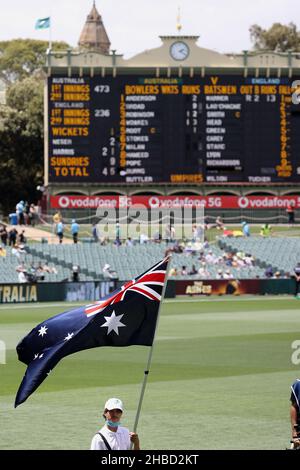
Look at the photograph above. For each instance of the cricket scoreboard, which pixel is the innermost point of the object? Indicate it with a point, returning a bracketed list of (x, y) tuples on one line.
[(140, 129)]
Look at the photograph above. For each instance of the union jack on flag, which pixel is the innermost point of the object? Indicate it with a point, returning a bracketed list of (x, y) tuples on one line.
[(126, 317), (149, 284)]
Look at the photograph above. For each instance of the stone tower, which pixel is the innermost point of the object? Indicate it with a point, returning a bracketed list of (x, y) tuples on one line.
[(94, 36)]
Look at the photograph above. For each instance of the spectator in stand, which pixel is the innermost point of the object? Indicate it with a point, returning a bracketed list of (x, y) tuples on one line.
[(157, 237), (173, 272), (291, 212), (32, 215), (60, 231), (49, 269), (118, 231), (22, 277), (143, 238), (40, 272), (210, 258), (172, 233), (198, 232), (183, 271), (117, 242), (228, 259), (168, 233), (26, 213), (206, 223), (75, 273), (95, 233), (269, 272), (219, 223), (194, 233), (21, 237), (193, 271), (228, 274), (108, 272), (3, 235), (31, 274), (20, 207), (21, 267), (202, 271), (129, 242), (220, 274), (266, 230), (205, 244), (2, 252), (18, 250), (56, 219), (74, 230), (246, 229)]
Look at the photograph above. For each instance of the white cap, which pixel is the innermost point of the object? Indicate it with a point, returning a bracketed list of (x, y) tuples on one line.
[(113, 404)]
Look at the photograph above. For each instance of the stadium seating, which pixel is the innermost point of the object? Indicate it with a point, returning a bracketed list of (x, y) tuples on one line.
[(129, 261), (280, 253)]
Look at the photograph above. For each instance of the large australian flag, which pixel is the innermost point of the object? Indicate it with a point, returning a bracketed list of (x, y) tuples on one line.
[(126, 317)]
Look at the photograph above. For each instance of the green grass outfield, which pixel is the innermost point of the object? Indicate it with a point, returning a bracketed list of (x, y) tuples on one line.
[(220, 379)]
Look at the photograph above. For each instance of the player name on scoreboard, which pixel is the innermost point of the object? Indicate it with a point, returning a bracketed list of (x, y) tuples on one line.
[(132, 129)]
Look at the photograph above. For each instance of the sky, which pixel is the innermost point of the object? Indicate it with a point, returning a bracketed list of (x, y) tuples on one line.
[(135, 25)]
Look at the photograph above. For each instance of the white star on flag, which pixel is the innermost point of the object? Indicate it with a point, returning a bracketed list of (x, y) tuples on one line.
[(113, 323), (35, 356), (69, 336), (43, 331)]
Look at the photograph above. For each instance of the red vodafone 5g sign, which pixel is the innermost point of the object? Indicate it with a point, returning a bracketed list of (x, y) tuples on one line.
[(174, 202)]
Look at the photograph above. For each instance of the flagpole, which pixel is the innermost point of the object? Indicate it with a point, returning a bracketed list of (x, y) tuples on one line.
[(50, 36), (50, 28), (146, 372)]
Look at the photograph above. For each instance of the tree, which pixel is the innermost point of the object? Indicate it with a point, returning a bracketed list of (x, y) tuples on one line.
[(19, 58), (279, 37), (21, 143), (21, 119)]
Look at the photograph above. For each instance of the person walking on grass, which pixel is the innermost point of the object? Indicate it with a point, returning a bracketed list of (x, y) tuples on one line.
[(113, 436)]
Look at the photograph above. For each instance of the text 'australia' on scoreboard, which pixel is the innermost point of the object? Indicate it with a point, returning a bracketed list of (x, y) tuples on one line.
[(135, 129)]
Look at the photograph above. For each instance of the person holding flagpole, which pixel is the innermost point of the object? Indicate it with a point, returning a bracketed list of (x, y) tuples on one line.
[(128, 316), (113, 436)]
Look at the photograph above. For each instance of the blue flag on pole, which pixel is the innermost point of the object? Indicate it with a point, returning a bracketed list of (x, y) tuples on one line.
[(43, 23), (127, 316)]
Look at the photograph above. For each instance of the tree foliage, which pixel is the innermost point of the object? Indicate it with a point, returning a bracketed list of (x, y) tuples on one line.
[(19, 58), (278, 37), (21, 143), (21, 120)]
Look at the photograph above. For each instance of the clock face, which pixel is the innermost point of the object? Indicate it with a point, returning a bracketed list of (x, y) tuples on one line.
[(179, 50)]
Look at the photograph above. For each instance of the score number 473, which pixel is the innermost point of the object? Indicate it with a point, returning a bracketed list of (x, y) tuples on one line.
[(102, 113)]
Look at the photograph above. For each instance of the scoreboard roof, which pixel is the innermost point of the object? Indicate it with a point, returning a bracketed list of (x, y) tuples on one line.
[(195, 57)]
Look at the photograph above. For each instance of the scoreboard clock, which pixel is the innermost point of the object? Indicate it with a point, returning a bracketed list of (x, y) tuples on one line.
[(179, 50)]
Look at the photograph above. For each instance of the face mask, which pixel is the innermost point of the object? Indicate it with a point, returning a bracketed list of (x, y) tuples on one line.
[(113, 424)]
